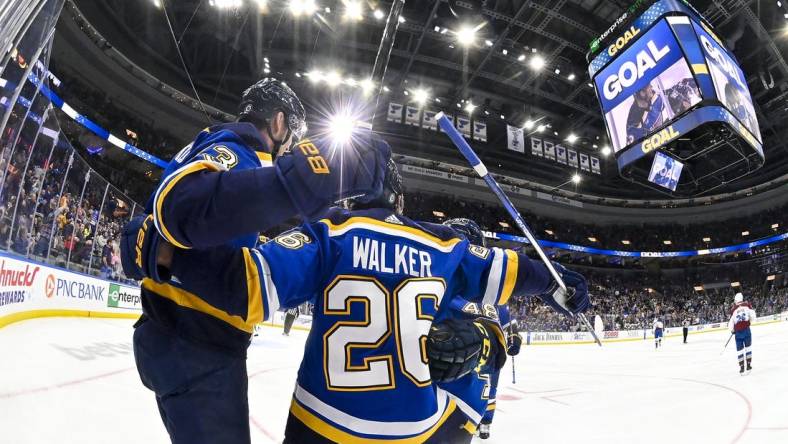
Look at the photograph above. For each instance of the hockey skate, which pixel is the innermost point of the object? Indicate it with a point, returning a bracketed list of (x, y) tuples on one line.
[(484, 431)]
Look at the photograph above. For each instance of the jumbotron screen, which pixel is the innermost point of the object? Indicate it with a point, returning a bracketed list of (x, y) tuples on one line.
[(650, 84), (645, 87)]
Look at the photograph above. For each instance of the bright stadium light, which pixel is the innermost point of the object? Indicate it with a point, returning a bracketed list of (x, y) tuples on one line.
[(262, 5), (606, 151), (354, 10), (470, 107), (529, 124), (576, 178), (157, 3), (521, 57), (333, 78), (341, 127), (536, 63), (378, 14), (367, 85), (315, 76), (420, 96), (302, 7), (570, 77), (540, 128), (466, 35), (571, 138)]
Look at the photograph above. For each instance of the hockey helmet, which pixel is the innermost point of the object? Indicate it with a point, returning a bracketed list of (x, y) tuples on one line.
[(738, 298), (261, 101)]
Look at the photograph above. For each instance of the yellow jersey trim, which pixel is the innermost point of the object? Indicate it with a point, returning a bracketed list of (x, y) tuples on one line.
[(189, 300), (512, 264), (491, 406), (189, 169), (390, 226), (255, 311), (470, 427), (700, 68), (264, 157), (331, 432)]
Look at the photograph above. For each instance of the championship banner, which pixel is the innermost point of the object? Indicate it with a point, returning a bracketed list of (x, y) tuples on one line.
[(480, 131), (514, 137), (595, 168), (536, 147), (413, 116), (395, 113), (584, 163), (429, 122), (571, 157), (549, 150), (560, 154), (464, 126)]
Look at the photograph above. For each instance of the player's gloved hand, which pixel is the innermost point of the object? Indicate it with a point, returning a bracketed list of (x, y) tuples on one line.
[(139, 246), (318, 173), (513, 344), (456, 347), (572, 301)]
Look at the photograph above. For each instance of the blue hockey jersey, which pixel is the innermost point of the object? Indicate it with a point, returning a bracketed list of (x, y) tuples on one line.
[(377, 281), (192, 209)]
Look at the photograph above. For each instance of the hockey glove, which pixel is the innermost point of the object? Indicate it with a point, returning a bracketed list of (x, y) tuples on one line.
[(456, 347), (513, 344), (139, 245), (572, 301), (316, 174)]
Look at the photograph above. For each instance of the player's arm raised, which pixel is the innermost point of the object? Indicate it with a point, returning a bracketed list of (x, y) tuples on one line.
[(206, 203)]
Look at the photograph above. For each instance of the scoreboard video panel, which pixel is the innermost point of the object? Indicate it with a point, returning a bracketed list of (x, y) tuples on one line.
[(646, 86)]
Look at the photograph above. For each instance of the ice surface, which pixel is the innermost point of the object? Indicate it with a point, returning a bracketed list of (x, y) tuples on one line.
[(72, 380)]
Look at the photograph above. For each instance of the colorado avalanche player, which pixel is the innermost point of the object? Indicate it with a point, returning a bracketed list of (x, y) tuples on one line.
[(659, 328), (742, 315)]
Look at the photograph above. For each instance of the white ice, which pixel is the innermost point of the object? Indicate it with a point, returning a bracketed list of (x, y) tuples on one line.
[(72, 380)]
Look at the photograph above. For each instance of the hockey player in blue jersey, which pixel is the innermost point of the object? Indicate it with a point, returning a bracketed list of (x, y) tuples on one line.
[(742, 315), (233, 182), (475, 236), (659, 329), (377, 279)]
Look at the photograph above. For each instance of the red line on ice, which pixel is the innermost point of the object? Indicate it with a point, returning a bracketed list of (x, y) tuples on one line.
[(63, 384)]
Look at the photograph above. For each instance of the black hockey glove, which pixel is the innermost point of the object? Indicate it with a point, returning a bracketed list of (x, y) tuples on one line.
[(456, 347), (139, 245), (513, 344)]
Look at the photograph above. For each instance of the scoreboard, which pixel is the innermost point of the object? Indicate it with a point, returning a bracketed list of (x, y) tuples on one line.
[(667, 84)]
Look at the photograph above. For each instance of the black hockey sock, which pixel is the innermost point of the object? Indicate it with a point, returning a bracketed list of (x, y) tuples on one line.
[(741, 366), (749, 363)]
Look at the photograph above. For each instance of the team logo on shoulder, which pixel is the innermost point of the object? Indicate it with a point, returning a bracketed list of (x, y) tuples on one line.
[(479, 251), (224, 157), (293, 240)]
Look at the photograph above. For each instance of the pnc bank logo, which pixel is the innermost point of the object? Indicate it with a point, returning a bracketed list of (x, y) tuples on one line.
[(49, 286)]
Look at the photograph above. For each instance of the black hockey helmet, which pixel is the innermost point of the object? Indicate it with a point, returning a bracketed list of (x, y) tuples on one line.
[(261, 101), (393, 191), (469, 229)]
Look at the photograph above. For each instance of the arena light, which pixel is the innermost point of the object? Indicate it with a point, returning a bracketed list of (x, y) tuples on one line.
[(302, 7), (706, 239), (521, 57), (225, 4), (378, 14), (736, 284), (557, 71), (571, 138), (592, 239), (157, 3), (420, 96), (745, 233), (367, 85), (262, 5), (536, 63), (488, 42), (576, 178), (570, 77), (606, 151), (698, 287), (625, 242), (775, 226), (341, 127), (529, 124), (770, 277), (667, 242), (333, 78), (466, 35), (503, 224), (540, 128), (354, 10), (470, 107), (315, 76), (549, 232)]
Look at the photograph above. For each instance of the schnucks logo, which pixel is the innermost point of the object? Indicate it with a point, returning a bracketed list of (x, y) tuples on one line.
[(118, 298), (13, 277), (49, 286)]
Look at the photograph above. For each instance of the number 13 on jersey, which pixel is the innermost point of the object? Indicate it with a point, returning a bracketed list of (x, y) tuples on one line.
[(400, 313)]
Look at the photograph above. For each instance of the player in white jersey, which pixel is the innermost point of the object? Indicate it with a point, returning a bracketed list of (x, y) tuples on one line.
[(742, 315), (659, 329)]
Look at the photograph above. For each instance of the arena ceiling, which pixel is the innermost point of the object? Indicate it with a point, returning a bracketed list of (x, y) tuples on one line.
[(527, 61)]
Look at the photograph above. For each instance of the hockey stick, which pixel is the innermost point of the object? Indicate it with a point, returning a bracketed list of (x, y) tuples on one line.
[(726, 344), (481, 170), (514, 378)]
